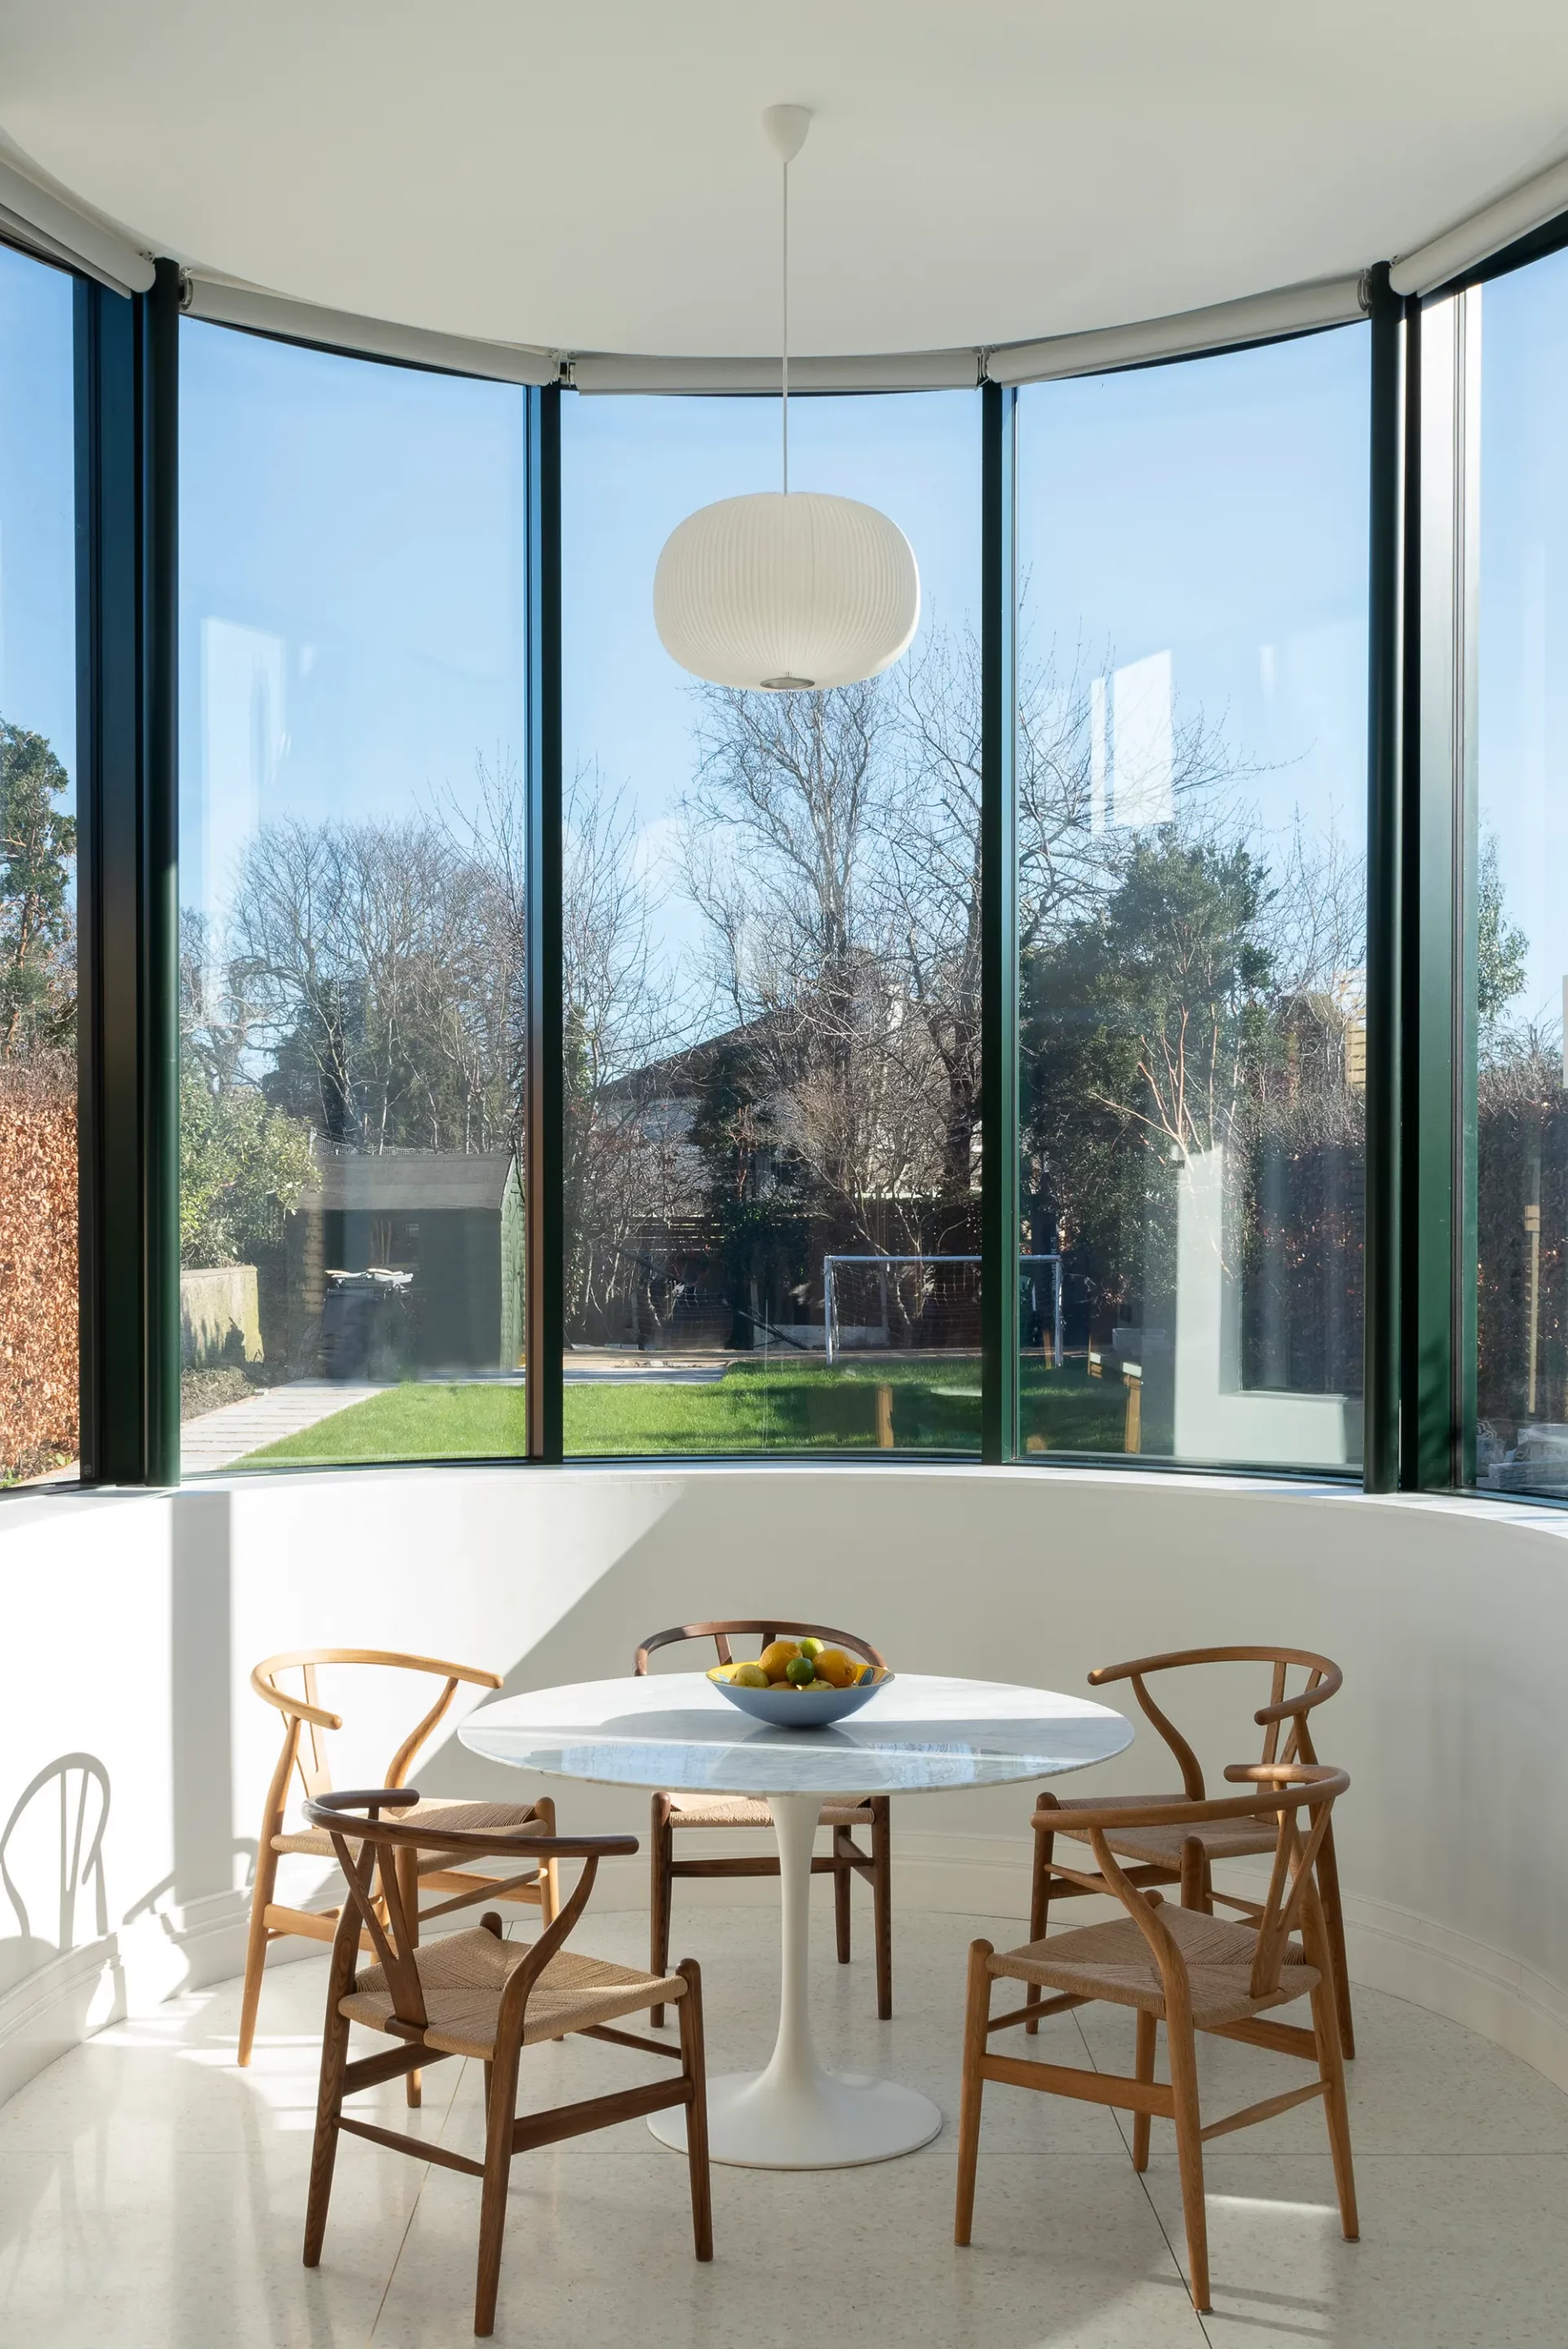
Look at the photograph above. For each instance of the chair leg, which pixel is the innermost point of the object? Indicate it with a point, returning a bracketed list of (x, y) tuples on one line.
[(841, 1895), (1194, 1863), (661, 1853), (409, 1886), (1190, 2154), (881, 1901), (976, 2014), (1330, 2063), (324, 2152), (256, 1947), (1040, 1901), (694, 2067), (499, 2121), (1148, 2029), (550, 1874), (1334, 1922)]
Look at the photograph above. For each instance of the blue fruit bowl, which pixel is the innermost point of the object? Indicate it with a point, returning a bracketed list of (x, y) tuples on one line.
[(791, 1708)]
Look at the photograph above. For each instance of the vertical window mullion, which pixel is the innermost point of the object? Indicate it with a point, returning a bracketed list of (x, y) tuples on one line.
[(1383, 884), (127, 430), (545, 1075), (999, 928), (1439, 1294)]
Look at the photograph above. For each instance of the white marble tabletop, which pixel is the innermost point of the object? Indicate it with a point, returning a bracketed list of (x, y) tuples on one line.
[(922, 1733)]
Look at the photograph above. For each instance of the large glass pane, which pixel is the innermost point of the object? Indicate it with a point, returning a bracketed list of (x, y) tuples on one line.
[(772, 976), (1521, 858), (38, 1357), (1192, 768), (352, 737)]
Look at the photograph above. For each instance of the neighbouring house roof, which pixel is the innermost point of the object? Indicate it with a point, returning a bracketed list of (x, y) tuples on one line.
[(404, 1182)]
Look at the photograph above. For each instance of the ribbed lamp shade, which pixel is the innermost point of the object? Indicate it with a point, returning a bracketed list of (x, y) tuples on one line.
[(786, 592)]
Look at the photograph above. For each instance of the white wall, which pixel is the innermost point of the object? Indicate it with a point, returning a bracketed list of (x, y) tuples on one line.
[(132, 1621)]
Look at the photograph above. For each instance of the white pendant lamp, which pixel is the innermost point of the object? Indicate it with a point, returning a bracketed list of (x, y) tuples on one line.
[(786, 591)]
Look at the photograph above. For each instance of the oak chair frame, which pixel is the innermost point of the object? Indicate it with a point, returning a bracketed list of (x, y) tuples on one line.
[(1195, 1875), (845, 1860), (374, 1864), (306, 1722), (1294, 1902)]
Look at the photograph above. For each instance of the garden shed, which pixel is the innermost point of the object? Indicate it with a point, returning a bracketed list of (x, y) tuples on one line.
[(449, 1223)]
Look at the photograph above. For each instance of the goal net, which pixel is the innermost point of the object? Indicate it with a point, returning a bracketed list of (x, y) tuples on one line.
[(927, 1303), (933, 1303)]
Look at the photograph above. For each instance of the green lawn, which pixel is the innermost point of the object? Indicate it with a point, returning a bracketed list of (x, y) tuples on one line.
[(752, 1408)]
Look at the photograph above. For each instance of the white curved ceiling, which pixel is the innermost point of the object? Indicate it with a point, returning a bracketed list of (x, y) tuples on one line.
[(591, 174)]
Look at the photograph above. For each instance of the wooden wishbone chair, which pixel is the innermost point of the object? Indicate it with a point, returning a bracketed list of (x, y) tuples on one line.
[(1188, 1969), (306, 1723), (1168, 1854), (872, 1813), (475, 1994)]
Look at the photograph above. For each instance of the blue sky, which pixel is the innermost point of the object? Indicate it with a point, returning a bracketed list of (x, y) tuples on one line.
[(633, 468), (37, 504), (351, 590), (352, 564), (1523, 637), (369, 519), (1216, 514)]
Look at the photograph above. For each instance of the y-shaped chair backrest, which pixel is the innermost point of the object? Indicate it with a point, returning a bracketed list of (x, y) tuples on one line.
[(306, 1720), (1321, 1680)]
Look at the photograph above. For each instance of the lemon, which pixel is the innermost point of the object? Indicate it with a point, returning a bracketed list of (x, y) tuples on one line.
[(810, 1647), (775, 1657)]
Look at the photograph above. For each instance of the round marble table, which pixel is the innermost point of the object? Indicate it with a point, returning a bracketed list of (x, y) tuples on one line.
[(921, 1735)]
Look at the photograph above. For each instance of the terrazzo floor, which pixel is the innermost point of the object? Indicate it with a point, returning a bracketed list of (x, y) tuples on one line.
[(151, 2193)]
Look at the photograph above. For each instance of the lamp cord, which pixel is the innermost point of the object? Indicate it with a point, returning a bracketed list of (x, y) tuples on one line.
[(785, 305)]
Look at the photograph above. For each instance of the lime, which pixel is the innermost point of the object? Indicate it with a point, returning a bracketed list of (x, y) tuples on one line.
[(811, 1647), (800, 1672)]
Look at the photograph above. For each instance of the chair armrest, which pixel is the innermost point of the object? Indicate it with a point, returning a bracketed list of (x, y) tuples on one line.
[(1291, 1774), (1289, 1707), (335, 1813), (1141, 1664), (293, 1707), (360, 1799)]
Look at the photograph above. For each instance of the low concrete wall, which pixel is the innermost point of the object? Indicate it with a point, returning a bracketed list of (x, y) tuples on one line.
[(220, 1317), (1449, 1617)]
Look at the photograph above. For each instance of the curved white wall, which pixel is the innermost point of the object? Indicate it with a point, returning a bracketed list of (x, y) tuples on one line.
[(131, 1621)]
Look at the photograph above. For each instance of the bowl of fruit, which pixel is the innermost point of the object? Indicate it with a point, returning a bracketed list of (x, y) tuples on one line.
[(800, 1683)]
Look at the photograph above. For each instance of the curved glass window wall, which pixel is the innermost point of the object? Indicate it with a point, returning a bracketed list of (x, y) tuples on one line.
[(771, 914), (1517, 856), (1191, 759), (353, 831), (751, 1086)]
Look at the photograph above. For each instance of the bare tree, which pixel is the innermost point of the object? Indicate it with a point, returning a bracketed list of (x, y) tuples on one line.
[(372, 958)]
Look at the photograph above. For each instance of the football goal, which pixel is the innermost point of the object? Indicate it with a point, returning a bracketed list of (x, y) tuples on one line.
[(928, 1303)]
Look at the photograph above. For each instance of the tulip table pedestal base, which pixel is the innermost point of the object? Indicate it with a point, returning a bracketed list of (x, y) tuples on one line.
[(797, 2114)]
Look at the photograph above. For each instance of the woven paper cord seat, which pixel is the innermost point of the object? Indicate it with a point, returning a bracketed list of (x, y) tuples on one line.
[(1220, 1839), (741, 1811), (434, 1811), (462, 1977), (1115, 1962)]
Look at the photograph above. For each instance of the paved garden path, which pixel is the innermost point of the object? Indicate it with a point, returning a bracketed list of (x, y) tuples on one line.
[(217, 1438)]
